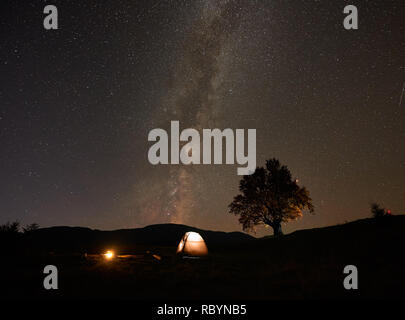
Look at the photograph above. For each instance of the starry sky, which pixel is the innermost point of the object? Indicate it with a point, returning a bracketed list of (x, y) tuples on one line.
[(77, 104)]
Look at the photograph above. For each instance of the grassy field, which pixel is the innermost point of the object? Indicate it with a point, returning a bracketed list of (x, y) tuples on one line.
[(304, 264)]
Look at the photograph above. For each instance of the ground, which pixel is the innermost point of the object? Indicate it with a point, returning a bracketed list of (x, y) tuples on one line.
[(304, 264)]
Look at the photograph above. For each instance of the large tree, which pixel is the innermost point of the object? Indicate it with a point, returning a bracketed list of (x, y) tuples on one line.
[(270, 196)]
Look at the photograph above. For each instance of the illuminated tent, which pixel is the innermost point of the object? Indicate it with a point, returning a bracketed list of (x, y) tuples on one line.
[(192, 244)]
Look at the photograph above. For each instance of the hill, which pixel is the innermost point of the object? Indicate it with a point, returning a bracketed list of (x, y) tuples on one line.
[(78, 239), (364, 235), (303, 264)]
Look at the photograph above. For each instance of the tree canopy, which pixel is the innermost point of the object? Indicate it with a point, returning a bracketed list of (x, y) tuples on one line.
[(270, 196)]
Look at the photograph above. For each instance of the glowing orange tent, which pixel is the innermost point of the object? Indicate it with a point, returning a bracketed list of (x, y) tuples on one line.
[(192, 244)]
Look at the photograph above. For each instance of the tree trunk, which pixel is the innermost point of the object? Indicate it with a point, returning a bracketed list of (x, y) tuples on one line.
[(277, 229)]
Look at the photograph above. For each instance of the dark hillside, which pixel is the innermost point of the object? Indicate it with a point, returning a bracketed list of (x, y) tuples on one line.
[(81, 240), (304, 264)]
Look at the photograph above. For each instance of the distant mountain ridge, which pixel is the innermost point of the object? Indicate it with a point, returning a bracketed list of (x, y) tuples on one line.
[(81, 239), (366, 234)]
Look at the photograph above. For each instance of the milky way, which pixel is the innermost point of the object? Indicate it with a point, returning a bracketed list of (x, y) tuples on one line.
[(193, 99), (77, 104)]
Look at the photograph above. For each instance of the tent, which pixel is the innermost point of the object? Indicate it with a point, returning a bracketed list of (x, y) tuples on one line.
[(192, 244)]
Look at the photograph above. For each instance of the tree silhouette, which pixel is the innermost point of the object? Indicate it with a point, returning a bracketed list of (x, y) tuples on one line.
[(10, 228), (377, 211), (269, 196), (10, 237), (31, 227)]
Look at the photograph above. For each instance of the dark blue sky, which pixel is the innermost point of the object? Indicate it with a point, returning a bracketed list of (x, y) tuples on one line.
[(76, 106)]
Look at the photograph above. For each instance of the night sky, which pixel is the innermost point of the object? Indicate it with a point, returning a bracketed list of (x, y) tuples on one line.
[(77, 104)]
